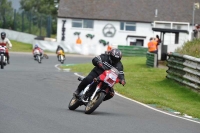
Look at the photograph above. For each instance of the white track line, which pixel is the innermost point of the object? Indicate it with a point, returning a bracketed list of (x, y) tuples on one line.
[(156, 109), (56, 66)]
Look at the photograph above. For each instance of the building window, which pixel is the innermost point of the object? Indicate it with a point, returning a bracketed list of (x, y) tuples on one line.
[(82, 23), (128, 26)]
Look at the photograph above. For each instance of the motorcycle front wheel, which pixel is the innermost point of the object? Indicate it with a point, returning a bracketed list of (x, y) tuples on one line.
[(94, 103), (61, 59), (2, 59), (38, 58), (74, 103)]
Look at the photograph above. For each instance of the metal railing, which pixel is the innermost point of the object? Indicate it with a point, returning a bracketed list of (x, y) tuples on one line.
[(184, 69), (151, 59), (132, 50)]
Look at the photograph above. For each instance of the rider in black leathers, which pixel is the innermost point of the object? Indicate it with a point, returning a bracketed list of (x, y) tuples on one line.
[(101, 63), (59, 48)]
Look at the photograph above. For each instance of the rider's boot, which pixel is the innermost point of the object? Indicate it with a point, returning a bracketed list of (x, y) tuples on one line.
[(41, 54), (58, 57), (34, 57), (8, 59), (77, 92)]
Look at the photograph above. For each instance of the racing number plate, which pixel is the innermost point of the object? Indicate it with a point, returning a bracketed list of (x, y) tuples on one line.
[(2, 49), (110, 79)]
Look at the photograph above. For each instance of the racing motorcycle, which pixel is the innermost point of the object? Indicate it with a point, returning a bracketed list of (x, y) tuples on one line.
[(3, 58), (61, 56), (92, 100), (37, 55)]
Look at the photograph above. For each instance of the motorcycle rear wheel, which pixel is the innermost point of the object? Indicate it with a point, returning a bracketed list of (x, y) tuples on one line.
[(93, 104), (74, 103)]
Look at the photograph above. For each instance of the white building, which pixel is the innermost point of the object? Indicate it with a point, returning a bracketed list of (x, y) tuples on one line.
[(124, 22)]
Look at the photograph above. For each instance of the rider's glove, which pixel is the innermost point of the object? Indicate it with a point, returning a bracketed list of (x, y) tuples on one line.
[(100, 64), (123, 82), (95, 79)]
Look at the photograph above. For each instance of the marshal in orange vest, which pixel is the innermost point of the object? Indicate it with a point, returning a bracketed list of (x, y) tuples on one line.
[(152, 46)]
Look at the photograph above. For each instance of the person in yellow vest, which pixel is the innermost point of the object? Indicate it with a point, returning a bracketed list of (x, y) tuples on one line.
[(153, 47)]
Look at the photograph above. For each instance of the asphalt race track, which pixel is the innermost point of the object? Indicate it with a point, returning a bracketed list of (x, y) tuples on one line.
[(34, 99)]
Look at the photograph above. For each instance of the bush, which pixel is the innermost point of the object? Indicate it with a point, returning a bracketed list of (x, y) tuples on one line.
[(191, 48)]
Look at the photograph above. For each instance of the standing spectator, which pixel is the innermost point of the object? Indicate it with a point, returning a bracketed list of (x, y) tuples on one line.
[(196, 30), (152, 47), (109, 48), (158, 39)]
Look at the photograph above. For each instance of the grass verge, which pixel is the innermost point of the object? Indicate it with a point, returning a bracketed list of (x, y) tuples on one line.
[(20, 47), (23, 47)]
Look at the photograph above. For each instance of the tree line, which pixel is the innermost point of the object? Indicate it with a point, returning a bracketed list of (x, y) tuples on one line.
[(32, 14)]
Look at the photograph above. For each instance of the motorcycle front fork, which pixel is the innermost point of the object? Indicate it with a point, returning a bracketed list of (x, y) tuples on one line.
[(97, 88)]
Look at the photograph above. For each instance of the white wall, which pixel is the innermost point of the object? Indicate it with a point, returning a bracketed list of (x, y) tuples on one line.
[(142, 29), (18, 36)]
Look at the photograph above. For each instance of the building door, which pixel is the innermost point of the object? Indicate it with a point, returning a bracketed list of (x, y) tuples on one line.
[(139, 42)]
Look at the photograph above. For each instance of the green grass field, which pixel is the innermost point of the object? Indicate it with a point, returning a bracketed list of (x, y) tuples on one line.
[(23, 47), (144, 84), (20, 47)]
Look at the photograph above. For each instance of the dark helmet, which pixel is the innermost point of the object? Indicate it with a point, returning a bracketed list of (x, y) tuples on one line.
[(115, 55), (3, 35)]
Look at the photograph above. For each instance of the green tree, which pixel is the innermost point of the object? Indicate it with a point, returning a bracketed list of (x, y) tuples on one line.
[(40, 6), (47, 7), (6, 11)]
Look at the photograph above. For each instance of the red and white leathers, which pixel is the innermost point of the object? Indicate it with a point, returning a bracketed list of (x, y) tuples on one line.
[(6, 42), (41, 51)]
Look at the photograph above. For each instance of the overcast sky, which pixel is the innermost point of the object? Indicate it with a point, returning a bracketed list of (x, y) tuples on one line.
[(15, 4)]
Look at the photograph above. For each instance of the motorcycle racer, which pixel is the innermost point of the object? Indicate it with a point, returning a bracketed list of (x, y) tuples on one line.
[(40, 50), (58, 49), (5, 42), (101, 63)]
